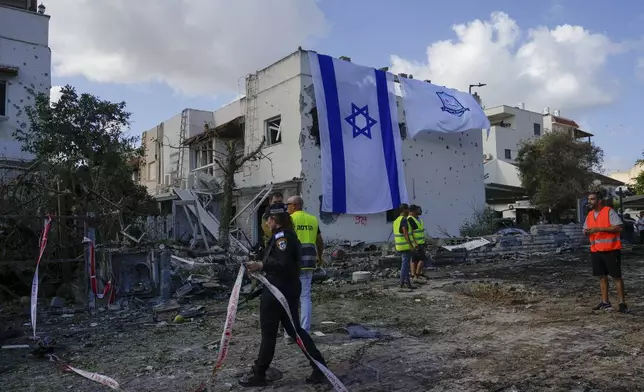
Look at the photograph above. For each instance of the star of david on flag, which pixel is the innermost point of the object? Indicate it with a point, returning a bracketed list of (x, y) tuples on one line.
[(353, 119), (362, 169)]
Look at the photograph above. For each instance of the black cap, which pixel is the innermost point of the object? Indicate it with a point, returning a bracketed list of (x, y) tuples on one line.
[(277, 208)]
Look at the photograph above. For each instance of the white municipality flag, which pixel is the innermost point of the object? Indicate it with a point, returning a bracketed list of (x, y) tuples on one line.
[(362, 170), (432, 108)]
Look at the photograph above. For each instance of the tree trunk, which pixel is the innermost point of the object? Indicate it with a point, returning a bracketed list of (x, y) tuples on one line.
[(226, 209)]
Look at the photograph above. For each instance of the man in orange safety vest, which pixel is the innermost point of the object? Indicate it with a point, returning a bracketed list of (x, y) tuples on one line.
[(603, 227)]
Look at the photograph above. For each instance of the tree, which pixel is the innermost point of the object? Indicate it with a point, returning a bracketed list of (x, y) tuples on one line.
[(230, 160), (556, 170), (638, 183), (85, 157)]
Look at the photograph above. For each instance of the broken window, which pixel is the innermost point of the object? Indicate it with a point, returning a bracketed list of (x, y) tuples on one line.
[(3, 98), (274, 130), (204, 156)]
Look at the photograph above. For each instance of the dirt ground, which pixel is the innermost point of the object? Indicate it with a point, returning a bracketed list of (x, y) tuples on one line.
[(506, 326)]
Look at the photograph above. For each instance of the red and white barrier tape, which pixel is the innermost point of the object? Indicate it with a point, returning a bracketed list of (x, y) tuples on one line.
[(34, 282), (227, 335), (337, 384), (230, 321), (99, 378), (92, 273)]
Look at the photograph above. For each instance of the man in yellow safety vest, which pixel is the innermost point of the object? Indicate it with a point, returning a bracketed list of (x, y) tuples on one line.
[(404, 243), (418, 258), (308, 232)]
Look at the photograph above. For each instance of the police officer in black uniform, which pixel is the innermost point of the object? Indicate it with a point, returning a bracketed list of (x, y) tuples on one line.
[(282, 269)]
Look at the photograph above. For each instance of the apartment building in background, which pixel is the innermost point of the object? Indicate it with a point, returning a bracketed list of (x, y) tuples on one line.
[(444, 172), (510, 127), (166, 162), (25, 69)]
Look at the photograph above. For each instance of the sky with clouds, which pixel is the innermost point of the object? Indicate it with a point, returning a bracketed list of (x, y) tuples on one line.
[(585, 58)]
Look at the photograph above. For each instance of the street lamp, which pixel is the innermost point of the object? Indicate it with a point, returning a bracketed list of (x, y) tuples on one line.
[(476, 85)]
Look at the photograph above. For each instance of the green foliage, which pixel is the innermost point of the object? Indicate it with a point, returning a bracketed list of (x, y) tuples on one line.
[(638, 184), (82, 142), (84, 164), (556, 170), (484, 222)]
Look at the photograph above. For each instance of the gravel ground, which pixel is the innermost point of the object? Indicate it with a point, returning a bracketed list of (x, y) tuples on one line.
[(505, 326)]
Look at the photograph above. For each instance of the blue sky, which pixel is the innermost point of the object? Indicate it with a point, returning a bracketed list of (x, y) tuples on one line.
[(606, 99)]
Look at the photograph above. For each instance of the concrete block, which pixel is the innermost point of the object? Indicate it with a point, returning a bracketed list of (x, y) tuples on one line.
[(361, 276)]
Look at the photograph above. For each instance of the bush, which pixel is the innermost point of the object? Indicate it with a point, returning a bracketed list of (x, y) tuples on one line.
[(482, 223)]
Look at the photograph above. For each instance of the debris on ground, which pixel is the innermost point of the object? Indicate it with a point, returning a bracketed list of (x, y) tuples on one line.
[(517, 323)]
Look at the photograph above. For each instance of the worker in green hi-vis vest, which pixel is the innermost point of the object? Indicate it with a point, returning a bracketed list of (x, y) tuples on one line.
[(417, 230), (404, 243)]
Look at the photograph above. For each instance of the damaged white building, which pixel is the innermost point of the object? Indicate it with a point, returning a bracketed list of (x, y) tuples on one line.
[(444, 172)]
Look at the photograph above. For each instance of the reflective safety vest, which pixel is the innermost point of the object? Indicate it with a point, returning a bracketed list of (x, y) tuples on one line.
[(306, 228), (267, 233), (602, 242), (399, 238), (419, 232)]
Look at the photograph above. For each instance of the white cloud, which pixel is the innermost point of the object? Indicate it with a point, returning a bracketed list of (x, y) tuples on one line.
[(55, 93), (639, 68), (562, 68), (194, 46)]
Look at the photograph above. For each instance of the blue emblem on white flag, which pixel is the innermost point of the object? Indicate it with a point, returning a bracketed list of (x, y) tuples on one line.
[(362, 169), (451, 104), (432, 108)]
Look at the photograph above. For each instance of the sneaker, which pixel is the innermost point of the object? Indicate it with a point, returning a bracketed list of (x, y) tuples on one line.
[(251, 379), (623, 308), (603, 306), (409, 286), (317, 377)]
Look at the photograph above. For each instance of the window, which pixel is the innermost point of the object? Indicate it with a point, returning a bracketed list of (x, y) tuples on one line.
[(274, 131), (508, 154), (3, 98), (537, 129)]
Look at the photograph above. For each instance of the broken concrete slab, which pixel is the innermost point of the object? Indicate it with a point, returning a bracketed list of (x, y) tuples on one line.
[(361, 276)]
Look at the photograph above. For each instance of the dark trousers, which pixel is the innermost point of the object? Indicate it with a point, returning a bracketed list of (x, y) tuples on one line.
[(271, 313)]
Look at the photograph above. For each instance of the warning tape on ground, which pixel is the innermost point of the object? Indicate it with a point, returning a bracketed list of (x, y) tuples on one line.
[(35, 281), (227, 335), (99, 378), (230, 321)]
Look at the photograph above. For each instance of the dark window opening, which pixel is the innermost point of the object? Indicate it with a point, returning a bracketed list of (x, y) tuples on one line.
[(537, 129), (508, 154), (315, 126), (3, 98), (274, 131)]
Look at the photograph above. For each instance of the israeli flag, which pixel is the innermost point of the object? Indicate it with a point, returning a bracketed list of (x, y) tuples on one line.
[(432, 108), (362, 170)]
